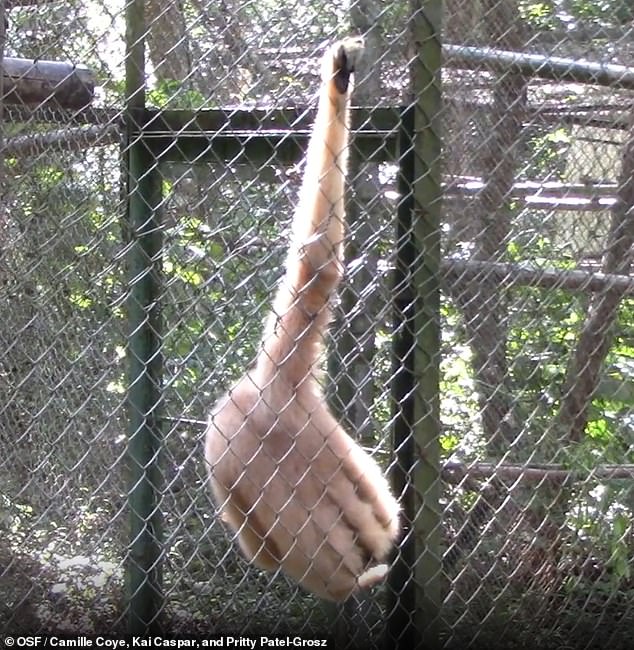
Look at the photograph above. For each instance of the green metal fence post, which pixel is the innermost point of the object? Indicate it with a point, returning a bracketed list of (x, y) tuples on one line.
[(414, 613), (144, 243), (144, 392)]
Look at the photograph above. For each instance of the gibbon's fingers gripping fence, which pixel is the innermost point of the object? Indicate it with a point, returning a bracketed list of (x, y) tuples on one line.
[(481, 345)]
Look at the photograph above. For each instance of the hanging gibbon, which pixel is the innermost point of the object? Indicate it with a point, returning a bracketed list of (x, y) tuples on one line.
[(301, 494)]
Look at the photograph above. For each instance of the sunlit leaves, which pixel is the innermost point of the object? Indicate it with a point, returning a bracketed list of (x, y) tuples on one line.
[(80, 301), (171, 93), (540, 14), (183, 273)]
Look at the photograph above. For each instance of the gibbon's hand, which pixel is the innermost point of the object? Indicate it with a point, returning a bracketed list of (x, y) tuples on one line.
[(341, 61)]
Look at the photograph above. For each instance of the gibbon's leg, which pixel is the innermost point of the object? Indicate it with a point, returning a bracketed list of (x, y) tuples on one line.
[(301, 495)]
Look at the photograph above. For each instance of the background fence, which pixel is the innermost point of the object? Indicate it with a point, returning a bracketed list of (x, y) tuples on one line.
[(502, 406)]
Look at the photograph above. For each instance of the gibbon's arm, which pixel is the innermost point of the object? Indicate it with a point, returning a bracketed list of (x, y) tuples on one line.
[(291, 342)]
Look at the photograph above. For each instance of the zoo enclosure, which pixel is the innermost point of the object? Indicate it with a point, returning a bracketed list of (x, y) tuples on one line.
[(533, 421)]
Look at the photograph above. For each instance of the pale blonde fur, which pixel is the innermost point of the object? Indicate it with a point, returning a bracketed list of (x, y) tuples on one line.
[(299, 492)]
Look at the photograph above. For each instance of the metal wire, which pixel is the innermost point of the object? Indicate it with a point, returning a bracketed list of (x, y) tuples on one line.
[(131, 301)]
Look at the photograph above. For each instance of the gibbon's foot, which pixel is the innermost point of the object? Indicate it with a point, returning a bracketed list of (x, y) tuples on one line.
[(372, 576), (344, 57)]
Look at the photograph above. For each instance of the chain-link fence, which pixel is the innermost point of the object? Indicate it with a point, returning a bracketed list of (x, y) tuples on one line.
[(481, 347)]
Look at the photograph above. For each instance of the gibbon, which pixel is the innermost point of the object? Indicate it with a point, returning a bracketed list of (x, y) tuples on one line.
[(301, 495)]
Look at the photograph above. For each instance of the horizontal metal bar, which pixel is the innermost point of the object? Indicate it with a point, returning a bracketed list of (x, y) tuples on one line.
[(257, 136), (456, 473), (554, 68), (516, 275), (366, 121), (572, 197), (70, 139), (608, 117), (473, 185)]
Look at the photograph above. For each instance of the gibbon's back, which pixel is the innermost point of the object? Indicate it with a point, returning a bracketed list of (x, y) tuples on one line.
[(299, 493)]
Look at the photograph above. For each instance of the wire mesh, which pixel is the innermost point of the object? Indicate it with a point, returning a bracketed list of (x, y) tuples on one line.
[(534, 513)]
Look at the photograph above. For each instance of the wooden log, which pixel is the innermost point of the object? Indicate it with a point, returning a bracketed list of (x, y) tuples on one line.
[(37, 83)]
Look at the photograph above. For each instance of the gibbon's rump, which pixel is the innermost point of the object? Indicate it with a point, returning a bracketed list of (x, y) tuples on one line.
[(301, 495)]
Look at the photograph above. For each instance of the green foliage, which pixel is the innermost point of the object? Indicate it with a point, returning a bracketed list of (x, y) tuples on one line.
[(223, 273), (458, 402), (173, 94), (620, 555), (602, 11), (548, 154), (539, 14)]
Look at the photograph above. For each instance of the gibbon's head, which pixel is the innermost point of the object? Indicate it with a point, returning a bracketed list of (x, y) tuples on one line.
[(345, 56)]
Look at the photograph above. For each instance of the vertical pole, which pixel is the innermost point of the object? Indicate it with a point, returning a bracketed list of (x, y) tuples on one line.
[(425, 75), (415, 599), (401, 631), (144, 243)]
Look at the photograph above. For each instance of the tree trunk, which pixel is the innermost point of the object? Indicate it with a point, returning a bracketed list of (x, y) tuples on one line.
[(595, 339)]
